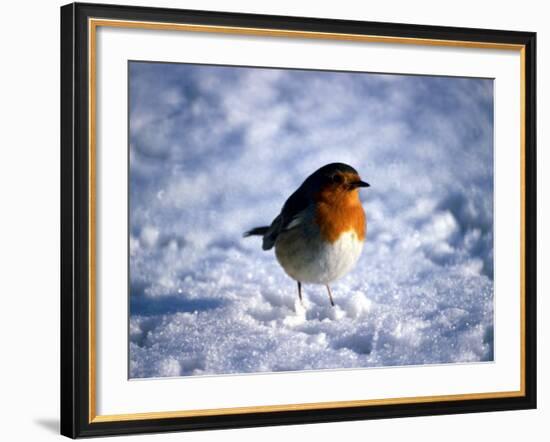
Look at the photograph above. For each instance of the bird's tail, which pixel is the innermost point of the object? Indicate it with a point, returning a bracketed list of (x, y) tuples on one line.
[(256, 231)]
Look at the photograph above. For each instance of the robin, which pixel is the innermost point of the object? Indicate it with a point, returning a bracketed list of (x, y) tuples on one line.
[(319, 234)]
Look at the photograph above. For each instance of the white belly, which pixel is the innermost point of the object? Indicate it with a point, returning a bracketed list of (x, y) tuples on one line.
[(310, 260)]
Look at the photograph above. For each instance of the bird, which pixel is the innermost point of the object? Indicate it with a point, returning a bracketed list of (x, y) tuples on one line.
[(319, 234)]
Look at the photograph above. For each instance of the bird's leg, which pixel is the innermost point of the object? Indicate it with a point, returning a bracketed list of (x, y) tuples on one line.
[(330, 296), (300, 293)]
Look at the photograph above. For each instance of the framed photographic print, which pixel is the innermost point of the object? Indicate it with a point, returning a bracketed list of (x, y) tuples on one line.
[(275, 220)]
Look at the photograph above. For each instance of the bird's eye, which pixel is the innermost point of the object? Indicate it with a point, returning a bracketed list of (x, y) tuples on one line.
[(338, 179)]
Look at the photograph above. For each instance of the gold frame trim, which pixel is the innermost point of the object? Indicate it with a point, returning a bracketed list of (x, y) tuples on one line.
[(93, 24)]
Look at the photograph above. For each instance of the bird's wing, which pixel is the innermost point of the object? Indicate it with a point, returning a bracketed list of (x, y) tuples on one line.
[(290, 217)]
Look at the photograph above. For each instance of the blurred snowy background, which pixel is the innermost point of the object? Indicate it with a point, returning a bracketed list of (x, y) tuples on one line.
[(215, 151)]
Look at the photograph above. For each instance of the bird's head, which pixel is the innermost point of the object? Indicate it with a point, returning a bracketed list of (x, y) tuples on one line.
[(335, 180)]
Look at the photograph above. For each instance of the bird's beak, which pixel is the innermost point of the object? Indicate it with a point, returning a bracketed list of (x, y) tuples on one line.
[(360, 184)]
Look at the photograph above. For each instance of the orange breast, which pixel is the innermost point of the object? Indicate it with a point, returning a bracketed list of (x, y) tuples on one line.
[(339, 212)]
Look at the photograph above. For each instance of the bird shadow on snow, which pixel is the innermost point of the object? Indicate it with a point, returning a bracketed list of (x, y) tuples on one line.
[(144, 306)]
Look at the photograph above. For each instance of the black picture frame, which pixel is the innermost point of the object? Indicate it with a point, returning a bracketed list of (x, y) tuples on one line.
[(75, 221)]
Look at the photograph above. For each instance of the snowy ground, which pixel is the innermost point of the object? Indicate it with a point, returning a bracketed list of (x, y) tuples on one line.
[(215, 151)]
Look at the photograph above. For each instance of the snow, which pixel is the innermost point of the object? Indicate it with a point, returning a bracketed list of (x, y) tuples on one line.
[(215, 151)]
